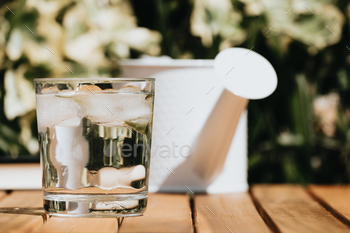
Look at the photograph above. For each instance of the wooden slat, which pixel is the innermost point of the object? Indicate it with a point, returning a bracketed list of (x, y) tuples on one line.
[(75, 225), (335, 199), (23, 199), (227, 212), (2, 194), (289, 208), (21, 211), (81, 225), (165, 213)]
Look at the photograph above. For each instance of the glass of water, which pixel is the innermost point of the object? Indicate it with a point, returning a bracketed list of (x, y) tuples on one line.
[(95, 143)]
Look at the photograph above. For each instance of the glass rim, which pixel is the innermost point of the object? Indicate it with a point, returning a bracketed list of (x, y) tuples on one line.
[(115, 79)]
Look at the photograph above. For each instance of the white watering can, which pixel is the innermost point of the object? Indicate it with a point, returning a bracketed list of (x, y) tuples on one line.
[(199, 141)]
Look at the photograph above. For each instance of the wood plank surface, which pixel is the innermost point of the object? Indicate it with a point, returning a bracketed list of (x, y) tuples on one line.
[(27, 198), (21, 211), (335, 198), (285, 208), (80, 225), (289, 208), (227, 212), (2, 194), (165, 213)]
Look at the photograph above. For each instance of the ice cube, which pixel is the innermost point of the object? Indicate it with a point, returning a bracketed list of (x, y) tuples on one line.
[(98, 107), (66, 94), (109, 177), (135, 87), (51, 89), (134, 106), (135, 112), (147, 87), (53, 110), (110, 90), (139, 124), (71, 152), (117, 122), (116, 205), (77, 207), (70, 141), (88, 87), (103, 107), (73, 122)]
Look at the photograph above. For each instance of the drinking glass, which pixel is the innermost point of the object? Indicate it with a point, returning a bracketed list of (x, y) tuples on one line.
[(95, 143)]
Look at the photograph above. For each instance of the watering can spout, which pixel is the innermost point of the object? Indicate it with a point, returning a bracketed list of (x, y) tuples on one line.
[(215, 139)]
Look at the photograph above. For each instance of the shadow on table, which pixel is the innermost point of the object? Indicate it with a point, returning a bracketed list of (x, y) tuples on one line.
[(28, 210), (38, 211)]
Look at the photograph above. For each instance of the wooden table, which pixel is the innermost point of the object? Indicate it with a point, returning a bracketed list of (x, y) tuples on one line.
[(267, 208)]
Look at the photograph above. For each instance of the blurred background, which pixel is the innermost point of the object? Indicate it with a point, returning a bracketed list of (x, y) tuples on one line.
[(300, 134)]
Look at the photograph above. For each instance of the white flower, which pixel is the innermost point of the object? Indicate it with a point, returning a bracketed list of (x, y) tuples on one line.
[(253, 7), (14, 46), (86, 49), (48, 7), (287, 138), (140, 39), (19, 94), (216, 17), (326, 112), (91, 27), (120, 49), (317, 24), (41, 54)]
